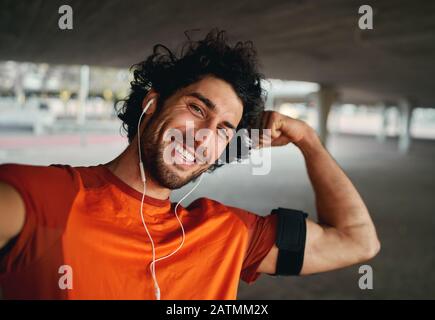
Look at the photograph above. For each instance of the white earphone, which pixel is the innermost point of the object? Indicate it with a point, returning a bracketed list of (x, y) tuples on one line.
[(143, 178)]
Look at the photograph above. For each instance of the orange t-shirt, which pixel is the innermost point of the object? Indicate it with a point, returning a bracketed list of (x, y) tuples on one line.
[(83, 238)]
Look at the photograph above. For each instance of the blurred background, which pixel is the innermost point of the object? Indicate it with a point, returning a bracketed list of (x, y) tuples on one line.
[(369, 93)]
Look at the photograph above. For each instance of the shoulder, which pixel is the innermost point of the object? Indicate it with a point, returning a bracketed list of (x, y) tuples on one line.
[(27, 170), (39, 177), (56, 175), (213, 207), (42, 188)]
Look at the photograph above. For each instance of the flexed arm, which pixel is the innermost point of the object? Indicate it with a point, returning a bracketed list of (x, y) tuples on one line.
[(345, 233)]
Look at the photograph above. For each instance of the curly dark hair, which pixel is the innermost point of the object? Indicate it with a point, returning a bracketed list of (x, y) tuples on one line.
[(166, 73)]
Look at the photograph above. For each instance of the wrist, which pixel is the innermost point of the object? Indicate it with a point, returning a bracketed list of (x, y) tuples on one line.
[(310, 142)]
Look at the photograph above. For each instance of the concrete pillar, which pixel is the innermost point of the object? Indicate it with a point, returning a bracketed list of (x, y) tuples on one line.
[(383, 112), (83, 97), (405, 108), (20, 95), (83, 94), (326, 96)]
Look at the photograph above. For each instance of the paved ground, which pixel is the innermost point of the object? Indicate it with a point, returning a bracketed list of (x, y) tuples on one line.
[(399, 191)]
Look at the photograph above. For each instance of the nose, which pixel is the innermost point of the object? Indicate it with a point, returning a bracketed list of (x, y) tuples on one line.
[(205, 141)]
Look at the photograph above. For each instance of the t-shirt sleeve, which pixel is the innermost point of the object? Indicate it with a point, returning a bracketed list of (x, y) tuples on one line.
[(47, 193), (261, 238)]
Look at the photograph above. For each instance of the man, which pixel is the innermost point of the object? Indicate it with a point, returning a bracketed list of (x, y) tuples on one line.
[(91, 233)]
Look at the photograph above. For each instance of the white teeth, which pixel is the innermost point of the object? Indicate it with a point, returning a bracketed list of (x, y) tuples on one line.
[(186, 154)]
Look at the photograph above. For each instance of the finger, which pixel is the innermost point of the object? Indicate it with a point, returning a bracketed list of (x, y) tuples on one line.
[(280, 141), (275, 126)]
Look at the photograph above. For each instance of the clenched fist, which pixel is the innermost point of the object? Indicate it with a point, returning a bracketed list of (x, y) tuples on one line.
[(284, 129)]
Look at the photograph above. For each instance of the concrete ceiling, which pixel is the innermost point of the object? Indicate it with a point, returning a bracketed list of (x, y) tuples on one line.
[(297, 40)]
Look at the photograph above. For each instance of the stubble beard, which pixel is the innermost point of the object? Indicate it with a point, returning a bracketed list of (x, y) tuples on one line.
[(163, 173)]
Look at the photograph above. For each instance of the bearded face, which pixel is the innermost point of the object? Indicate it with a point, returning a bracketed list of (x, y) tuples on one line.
[(189, 132)]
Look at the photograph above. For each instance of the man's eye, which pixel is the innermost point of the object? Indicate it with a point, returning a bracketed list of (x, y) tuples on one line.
[(196, 108)]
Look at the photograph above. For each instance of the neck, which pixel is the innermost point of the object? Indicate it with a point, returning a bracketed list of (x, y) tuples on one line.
[(126, 167)]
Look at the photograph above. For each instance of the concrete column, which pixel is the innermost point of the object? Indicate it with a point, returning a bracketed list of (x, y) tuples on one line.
[(405, 108), (382, 133), (83, 94), (20, 95), (83, 97), (326, 96)]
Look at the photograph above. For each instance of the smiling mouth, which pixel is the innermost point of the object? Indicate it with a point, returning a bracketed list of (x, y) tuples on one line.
[(183, 156)]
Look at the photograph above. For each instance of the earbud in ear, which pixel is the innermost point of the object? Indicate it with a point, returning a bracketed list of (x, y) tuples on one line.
[(147, 106)]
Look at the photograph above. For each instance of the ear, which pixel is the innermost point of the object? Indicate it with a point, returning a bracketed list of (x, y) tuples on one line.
[(151, 95)]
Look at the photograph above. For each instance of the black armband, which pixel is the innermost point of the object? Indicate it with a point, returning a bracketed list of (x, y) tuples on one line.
[(290, 240)]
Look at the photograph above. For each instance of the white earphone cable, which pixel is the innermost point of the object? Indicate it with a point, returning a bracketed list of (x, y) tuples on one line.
[(143, 178)]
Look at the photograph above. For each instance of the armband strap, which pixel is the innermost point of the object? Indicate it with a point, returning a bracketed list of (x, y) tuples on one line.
[(290, 240)]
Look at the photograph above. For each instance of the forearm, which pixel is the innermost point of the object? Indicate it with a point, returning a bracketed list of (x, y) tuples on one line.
[(338, 203), (344, 234)]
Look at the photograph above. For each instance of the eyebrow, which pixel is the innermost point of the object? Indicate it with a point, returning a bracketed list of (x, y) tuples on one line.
[(209, 105)]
